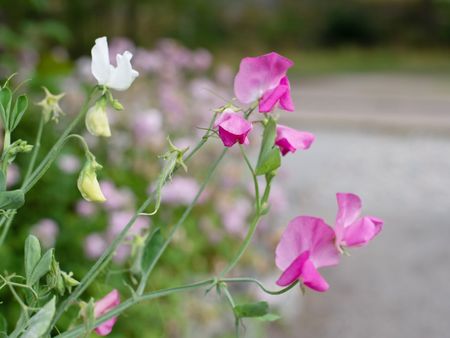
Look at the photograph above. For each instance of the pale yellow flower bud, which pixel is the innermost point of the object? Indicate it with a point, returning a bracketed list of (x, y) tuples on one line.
[(97, 121), (88, 183)]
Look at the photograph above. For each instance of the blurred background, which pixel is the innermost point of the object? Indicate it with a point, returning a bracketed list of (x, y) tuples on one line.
[(371, 81)]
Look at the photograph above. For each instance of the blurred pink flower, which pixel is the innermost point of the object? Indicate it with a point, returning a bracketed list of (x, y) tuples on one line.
[(119, 219), (103, 306), (180, 190), (233, 128), (122, 253), (69, 163), (264, 78), (146, 125), (201, 59), (307, 244), (94, 245), (85, 208), (235, 215), (290, 140), (12, 175), (351, 230), (116, 198), (147, 61), (46, 230)]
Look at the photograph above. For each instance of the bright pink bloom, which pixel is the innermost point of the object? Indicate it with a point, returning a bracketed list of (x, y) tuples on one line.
[(264, 78), (352, 230), (289, 140), (233, 128), (307, 244), (103, 306)]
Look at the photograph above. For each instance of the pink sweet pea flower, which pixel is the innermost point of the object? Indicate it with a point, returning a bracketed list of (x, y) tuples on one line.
[(352, 230), (233, 128), (289, 140), (307, 244), (264, 78), (103, 306)]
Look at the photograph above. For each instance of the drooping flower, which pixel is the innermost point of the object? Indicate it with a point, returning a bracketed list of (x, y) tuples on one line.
[(88, 184), (351, 229), (103, 306), (97, 120), (118, 77), (307, 244), (289, 140), (264, 78), (233, 128)]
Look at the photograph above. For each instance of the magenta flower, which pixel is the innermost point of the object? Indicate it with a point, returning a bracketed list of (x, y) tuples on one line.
[(103, 306), (233, 128), (264, 78), (352, 230), (289, 140), (307, 244)]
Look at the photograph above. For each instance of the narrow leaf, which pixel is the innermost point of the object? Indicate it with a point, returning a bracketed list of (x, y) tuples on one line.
[(13, 199), (270, 317), (40, 322), (152, 246), (250, 310), (2, 181), (41, 268), (32, 254), (20, 107), (5, 105)]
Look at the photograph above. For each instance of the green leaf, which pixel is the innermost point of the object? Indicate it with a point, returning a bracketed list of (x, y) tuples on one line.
[(2, 181), (20, 107), (152, 246), (5, 105), (32, 254), (269, 156), (3, 327), (13, 199), (40, 322), (251, 310), (269, 317), (41, 268)]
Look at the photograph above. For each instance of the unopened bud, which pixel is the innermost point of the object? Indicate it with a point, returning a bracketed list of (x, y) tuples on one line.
[(97, 121), (88, 183)]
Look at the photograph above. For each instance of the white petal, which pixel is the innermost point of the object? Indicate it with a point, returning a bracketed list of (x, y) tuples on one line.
[(100, 66), (123, 75)]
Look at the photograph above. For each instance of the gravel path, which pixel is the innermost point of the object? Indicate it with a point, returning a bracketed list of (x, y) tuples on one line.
[(386, 138)]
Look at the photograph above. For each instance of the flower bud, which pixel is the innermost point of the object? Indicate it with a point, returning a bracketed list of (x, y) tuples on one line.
[(97, 120), (88, 183)]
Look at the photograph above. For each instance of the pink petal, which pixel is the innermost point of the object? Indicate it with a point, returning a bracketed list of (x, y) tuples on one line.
[(233, 128), (362, 231), (349, 208), (271, 98), (259, 74), (104, 305), (312, 278), (306, 233), (286, 100), (289, 140), (294, 270), (105, 328)]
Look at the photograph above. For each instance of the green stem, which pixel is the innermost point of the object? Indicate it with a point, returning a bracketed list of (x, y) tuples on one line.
[(183, 217), (79, 330), (107, 255), (244, 245), (259, 284), (255, 179), (36, 147)]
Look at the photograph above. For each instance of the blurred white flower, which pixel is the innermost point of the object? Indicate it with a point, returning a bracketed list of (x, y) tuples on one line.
[(120, 77)]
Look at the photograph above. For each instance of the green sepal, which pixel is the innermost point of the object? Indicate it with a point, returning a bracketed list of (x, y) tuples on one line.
[(269, 158)]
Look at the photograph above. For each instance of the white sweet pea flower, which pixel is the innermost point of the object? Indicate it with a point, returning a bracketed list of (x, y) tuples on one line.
[(120, 77)]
